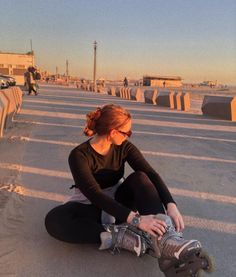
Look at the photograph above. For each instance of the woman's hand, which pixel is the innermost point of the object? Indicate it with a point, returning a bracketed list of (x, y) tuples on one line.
[(177, 218), (152, 225)]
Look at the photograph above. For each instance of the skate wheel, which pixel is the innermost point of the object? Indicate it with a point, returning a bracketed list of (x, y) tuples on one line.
[(199, 274), (209, 268)]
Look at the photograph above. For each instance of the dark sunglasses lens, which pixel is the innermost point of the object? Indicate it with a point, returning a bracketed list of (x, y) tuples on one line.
[(129, 133)]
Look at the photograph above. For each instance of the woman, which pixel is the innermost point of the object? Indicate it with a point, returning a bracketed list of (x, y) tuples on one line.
[(135, 213)]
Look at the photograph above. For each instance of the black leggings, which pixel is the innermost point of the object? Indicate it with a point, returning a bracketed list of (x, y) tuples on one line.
[(80, 223)]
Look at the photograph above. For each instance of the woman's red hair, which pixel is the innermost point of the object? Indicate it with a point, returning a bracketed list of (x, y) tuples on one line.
[(102, 120)]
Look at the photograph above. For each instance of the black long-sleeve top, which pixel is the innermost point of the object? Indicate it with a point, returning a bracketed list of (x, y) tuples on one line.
[(93, 172)]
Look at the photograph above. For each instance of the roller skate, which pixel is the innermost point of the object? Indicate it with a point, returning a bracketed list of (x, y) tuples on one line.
[(172, 245), (177, 256), (124, 236)]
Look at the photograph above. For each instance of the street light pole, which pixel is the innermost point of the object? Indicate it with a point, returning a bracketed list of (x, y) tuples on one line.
[(32, 53), (94, 66), (67, 71)]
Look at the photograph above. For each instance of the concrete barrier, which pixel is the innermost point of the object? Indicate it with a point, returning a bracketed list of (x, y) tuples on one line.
[(83, 86), (150, 96), (10, 104), (88, 87), (185, 101), (177, 100), (136, 94), (3, 112), (220, 106), (2, 121), (101, 89), (117, 92), (127, 92), (122, 92), (111, 91), (12, 107), (18, 97), (165, 99)]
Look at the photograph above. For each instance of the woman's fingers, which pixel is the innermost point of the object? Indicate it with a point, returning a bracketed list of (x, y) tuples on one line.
[(159, 227), (174, 213), (177, 224), (153, 233), (181, 224), (161, 222)]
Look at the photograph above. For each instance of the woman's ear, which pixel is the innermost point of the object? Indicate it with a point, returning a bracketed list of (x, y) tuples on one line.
[(112, 133)]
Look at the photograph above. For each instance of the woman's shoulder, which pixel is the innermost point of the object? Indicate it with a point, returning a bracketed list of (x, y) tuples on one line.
[(81, 149), (127, 146)]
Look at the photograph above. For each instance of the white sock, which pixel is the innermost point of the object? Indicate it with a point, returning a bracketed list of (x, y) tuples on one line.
[(106, 240)]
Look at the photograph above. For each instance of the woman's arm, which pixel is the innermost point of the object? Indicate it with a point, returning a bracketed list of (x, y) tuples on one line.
[(174, 213), (138, 163), (87, 184)]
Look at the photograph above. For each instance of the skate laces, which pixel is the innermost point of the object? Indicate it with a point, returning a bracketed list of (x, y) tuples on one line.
[(171, 233), (171, 241)]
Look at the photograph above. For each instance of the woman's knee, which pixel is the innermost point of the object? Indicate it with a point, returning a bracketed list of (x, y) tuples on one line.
[(48, 221), (140, 182), (53, 220), (140, 177)]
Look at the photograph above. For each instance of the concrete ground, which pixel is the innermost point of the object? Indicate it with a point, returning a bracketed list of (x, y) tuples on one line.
[(195, 155)]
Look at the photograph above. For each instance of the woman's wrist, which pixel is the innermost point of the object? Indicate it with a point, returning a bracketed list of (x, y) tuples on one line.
[(171, 204), (131, 216)]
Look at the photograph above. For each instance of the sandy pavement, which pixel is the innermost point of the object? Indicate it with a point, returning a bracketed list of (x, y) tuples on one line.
[(195, 155)]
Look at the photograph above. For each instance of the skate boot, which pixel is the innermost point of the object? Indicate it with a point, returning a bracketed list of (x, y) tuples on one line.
[(177, 256), (124, 236), (172, 245)]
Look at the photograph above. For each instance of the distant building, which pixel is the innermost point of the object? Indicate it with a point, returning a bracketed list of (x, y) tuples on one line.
[(162, 81), (209, 83), (15, 64)]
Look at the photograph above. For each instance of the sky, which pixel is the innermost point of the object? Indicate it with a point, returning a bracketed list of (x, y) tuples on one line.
[(195, 40)]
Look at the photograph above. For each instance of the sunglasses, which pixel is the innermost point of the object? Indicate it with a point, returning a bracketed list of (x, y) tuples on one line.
[(128, 134)]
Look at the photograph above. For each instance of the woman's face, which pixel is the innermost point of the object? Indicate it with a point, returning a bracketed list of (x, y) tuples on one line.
[(118, 136)]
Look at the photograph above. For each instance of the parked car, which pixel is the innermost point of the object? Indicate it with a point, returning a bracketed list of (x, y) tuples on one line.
[(3, 83), (9, 80)]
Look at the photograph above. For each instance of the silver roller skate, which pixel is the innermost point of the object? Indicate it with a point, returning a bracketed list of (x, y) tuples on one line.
[(172, 245), (177, 256), (124, 236)]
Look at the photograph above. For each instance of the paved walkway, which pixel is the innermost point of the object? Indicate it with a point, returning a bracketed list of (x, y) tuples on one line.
[(196, 156)]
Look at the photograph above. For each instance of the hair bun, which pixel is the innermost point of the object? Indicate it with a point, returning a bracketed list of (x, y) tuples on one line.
[(95, 114), (88, 132), (92, 117)]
